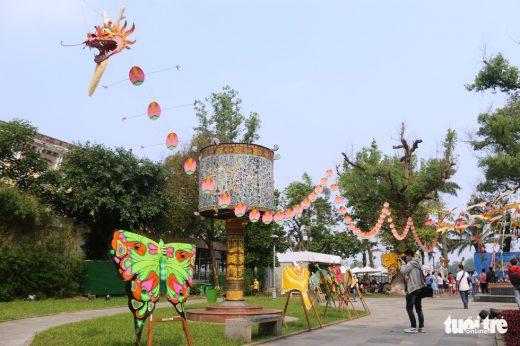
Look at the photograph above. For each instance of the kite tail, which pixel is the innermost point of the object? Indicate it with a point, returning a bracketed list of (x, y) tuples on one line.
[(96, 77)]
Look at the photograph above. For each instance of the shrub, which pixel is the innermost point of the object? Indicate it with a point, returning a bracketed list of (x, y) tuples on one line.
[(33, 269), (512, 335)]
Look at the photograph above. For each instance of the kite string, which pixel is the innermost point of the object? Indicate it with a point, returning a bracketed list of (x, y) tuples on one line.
[(91, 7), (148, 73), (164, 109)]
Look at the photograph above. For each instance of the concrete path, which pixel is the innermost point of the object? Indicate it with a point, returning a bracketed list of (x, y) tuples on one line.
[(21, 332), (388, 319)]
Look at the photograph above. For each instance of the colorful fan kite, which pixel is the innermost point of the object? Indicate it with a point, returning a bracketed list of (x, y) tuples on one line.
[(110, 39), (154, 111), (146, 266), (172, 141), (136, 75), (297, 279)]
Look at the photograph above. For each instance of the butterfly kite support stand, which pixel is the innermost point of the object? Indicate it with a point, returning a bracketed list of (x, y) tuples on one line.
[(304, 310), (153, 320)]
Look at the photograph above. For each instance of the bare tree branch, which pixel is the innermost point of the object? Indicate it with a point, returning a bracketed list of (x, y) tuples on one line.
[(353, 164)]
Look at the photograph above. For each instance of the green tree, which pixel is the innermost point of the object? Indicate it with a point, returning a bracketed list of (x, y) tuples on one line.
[(21, 215), (408, 184), (181, 216), (498, 138), (496, 74), (111, 189), (20, 164), (226, 122), (314, 222)]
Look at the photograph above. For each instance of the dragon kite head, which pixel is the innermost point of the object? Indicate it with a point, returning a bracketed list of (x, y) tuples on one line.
[(110, 38)]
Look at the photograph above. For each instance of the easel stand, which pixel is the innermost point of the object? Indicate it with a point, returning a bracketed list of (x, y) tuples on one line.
[(152, 320), (363, 301), (304, 310)]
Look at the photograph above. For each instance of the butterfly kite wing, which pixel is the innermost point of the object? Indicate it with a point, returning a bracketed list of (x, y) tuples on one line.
[(137, 260), (179, 265)]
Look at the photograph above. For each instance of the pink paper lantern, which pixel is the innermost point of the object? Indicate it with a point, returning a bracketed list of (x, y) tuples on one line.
[(240, 210), (267, 218), (342, 210), (289, 214), (254, 215), (298, 210), (154, 111), (333, 187), (329, 173), (224, 200), (324, 181), (208, 186), (278, 218), (338, 199), (306, 203), (190, 166), (172, 141), (318, 188), (313, 196), (136, 75)]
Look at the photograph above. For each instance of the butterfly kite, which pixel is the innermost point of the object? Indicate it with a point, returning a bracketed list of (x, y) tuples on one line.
[(110, 39), (151, 268)]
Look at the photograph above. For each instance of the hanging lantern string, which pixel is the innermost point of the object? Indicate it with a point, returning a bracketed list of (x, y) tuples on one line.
[(164, 109), (157, 144), (178, 67)]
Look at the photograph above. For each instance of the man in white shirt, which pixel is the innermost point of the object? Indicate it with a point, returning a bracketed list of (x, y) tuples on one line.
[(463, 284)]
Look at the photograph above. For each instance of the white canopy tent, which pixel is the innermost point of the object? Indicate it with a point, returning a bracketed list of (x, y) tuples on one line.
[(382, 270), (308, 257), (365, 270)]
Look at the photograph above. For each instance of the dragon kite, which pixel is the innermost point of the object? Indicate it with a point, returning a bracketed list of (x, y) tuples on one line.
[(110, 39)]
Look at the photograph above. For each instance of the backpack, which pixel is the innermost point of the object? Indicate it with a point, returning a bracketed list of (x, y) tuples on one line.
[(514, 276)]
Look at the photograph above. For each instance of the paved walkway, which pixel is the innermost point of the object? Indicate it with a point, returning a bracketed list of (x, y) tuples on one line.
[(388, 319), (21, 332), (383, 327)]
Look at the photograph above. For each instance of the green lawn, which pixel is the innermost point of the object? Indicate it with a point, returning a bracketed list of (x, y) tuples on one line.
[(22, 309), (118, 329)]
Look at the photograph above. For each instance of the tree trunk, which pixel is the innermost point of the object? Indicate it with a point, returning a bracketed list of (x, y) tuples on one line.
[(364, 258), (370, 254), (444, 245), (214, 268), (422, 256)]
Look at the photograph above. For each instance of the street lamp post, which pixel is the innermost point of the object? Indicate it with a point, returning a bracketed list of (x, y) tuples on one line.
[(274, 237)]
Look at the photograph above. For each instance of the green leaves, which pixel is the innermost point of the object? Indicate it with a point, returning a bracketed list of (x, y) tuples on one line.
[(498, 138), (109, 189), (226, 122), (496, 74), (20, 164)]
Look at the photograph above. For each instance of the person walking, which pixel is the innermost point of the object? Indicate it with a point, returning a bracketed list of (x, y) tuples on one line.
[(411, 269), (256, 287), (474, 282), (491, 276), (514, 277), (440, 283), (435, 287), (463, 284), (483, 281)]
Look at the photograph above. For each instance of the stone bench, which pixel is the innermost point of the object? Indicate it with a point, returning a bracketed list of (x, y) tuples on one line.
[(241, 328)]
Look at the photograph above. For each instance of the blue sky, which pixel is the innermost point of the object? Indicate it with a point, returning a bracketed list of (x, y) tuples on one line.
[(325, 76)]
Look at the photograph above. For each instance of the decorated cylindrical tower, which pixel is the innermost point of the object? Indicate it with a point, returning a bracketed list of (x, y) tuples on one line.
[(235, 184)]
